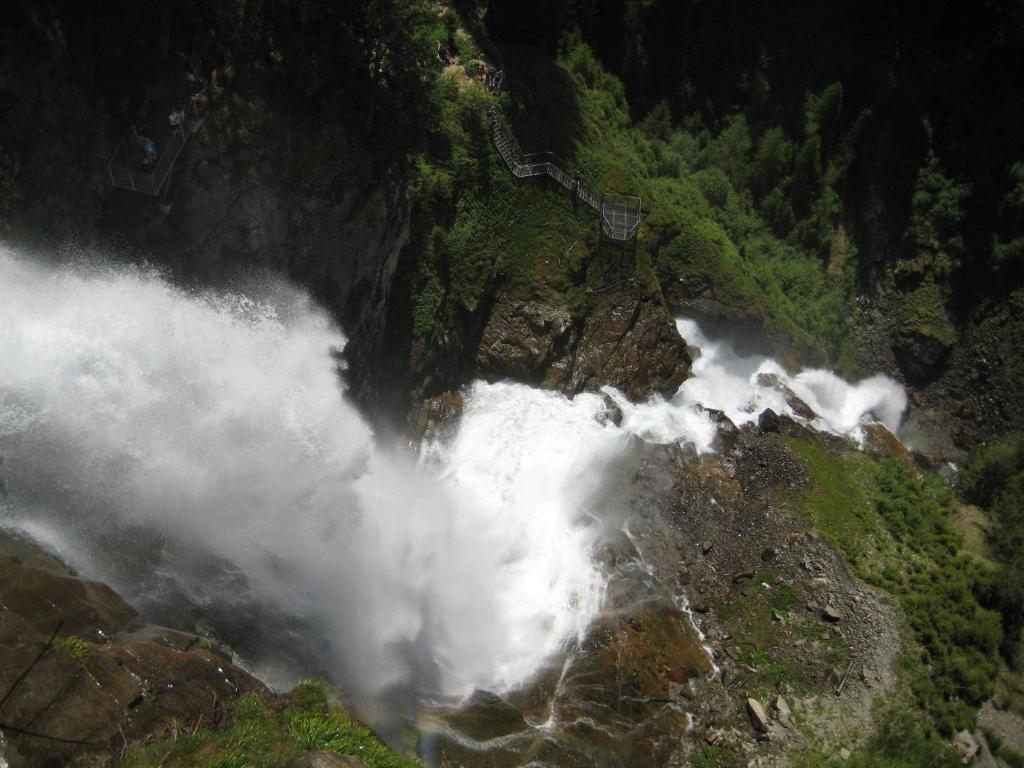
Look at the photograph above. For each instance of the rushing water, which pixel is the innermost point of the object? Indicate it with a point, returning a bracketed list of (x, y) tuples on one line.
[(196, 450), (744, 386)]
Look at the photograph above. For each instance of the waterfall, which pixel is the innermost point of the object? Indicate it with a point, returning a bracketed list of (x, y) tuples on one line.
[(196, 449), (744, 386)]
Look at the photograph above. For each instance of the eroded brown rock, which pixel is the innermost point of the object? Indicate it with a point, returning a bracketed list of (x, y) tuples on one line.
[(106, 678), (626, 341), (880, 443)]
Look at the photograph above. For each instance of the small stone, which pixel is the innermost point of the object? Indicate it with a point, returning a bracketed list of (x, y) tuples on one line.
[(611, 413), (967, 745), (712, 738), (706, 547), (768, 421), (781, 707), (758, 718), (831, 613), (844, 754)]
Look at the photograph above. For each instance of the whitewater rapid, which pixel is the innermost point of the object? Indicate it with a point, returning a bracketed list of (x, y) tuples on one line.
[(196, 450), (742, 387)]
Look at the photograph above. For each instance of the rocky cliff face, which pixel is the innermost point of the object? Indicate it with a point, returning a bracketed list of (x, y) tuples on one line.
[(626, 341), (262, 187), (238, 211), (82, 673)]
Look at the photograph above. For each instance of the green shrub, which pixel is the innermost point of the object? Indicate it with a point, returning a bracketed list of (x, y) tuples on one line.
[(901, 742), (994, 479), (923, 310), (937, 211), (773, 161), (939, 589), (261, 732), (988, 473)]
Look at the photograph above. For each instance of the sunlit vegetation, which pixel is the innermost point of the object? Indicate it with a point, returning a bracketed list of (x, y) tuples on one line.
[(263, 732), (713, 201), (995, 480), (896, 530), (902, 741)]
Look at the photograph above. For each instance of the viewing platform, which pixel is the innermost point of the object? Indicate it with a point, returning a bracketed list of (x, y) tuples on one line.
[(129, 168)]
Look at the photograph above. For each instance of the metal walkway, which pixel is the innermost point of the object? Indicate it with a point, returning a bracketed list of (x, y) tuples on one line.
[(126, 171), (620, 214)]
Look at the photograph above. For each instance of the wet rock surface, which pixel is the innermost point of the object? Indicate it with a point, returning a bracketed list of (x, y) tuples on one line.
[(713, 544), (434, 417), (960, 396), (523, 340), (82, 673), (626, 341)]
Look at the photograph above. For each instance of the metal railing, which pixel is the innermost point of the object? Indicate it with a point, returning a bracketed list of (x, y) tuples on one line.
[(126, 173), (620, 214)]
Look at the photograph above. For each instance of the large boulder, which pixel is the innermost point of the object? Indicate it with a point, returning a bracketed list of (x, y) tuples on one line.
[(758, 718), (921, 357), (627, 341), (522, 340)]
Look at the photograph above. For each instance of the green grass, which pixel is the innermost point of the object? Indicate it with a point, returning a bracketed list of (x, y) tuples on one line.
[(923, 310), (902, 741), (708, 756), (784, 598), (839, 500), (897, 531), (261, 732)]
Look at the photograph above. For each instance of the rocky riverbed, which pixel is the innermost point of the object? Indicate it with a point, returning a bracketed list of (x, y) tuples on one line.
[(729, 625)]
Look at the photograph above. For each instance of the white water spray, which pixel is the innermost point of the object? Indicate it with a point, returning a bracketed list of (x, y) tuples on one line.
[(196, 447), (743, 387)]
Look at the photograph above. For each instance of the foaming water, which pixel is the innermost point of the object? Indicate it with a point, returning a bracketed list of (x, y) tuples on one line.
[(197, 450), (744, 386), (530, 456)]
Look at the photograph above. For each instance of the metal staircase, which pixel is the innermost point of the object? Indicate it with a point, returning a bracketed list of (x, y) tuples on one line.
[(620, 214)]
